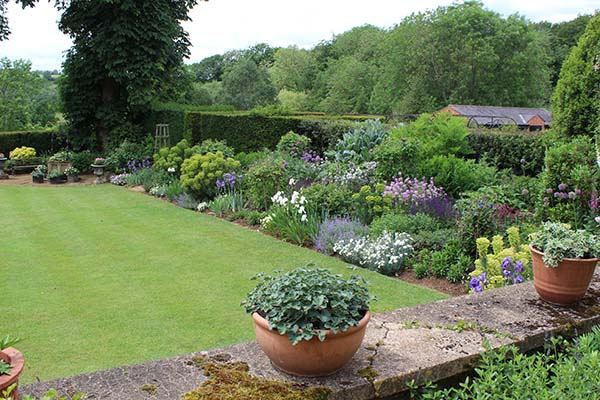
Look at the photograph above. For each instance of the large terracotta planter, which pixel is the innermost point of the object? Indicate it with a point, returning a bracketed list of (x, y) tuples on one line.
[(15, 359), (313, 357), (565, 284)]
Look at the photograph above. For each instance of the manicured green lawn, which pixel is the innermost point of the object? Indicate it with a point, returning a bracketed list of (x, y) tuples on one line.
[(97, 277)]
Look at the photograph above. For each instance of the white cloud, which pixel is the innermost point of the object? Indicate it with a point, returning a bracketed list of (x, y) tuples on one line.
[(221, 25)]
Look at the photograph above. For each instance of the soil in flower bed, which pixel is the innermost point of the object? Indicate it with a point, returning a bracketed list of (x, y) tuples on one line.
[(431, 282)]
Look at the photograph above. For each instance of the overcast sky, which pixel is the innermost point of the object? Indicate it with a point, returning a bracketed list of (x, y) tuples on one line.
[(221, 25)]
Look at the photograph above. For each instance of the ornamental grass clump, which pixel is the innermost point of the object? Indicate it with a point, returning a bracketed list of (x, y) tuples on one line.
[(558, 241), (386, 254), (307, 302)]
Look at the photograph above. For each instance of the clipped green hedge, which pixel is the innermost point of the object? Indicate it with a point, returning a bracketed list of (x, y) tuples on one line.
[(175, 115), (45, 141), (506, 150), (245, 132)]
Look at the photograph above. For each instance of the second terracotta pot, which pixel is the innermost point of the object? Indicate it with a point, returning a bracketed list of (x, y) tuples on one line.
[(309, 357), (565, 284), (15, 359)]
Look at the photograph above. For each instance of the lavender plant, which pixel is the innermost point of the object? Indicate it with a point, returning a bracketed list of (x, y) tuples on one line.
[(332, 231)]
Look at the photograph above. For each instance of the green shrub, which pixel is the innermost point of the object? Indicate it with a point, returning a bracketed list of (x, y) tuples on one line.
[(421, 263), (254, 217), (409, 223), (173, 157), (82, 160), (459, 269), (293, 143), (477, 218), (395, 156), (440, 264), (329, 200), (118, 159), (521, 152), (571, 181), (457, 175), (199, 173), (212, 146), (441, 134), (264, 179), (560, 372)]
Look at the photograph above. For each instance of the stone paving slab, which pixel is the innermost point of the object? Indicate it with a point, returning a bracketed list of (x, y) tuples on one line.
[(430, 342)]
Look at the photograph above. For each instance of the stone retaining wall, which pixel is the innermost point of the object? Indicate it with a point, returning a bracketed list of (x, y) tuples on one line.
[(431, 342)]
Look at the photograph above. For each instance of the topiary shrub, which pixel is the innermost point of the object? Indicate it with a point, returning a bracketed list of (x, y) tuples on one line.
[(200, 172)]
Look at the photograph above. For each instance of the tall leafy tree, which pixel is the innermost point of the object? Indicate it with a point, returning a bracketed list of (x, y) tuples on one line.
[(27, 100), (294, 69), (125, 54), (247, 85), (576, 100)]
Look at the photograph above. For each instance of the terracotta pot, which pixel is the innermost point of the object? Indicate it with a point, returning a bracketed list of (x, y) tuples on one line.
[(16, 360), (313, 357), (565, 284)]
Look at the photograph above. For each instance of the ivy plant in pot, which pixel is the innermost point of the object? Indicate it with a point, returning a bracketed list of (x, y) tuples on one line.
[(11, 367), (564, 261), (309, 321)]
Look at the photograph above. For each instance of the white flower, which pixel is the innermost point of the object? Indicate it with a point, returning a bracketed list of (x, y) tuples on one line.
[(202, 206), (171, 169), (302, 200), (292, 182), (301, 210), (304, 218), (295, 196)]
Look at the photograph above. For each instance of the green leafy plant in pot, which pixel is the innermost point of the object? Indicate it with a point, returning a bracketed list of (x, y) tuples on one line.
[(309, 321), (11, 367), (564, 261)]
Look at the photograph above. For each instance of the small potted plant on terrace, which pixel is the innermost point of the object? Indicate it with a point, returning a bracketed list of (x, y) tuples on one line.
[(98, 167), (56, 177), (309, 321), (11, 366), (564, 261), (38, 174), (72, 174)]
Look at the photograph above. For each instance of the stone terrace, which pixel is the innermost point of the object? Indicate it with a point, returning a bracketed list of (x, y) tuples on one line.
[(431, 342)]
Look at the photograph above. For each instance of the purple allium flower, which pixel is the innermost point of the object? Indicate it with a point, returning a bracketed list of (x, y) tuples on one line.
[(519, 267), (546, 200), (549, 191), (557, 195), (572, 195), (597, 219), (478, 283), (562, 187), (578, 192), (523, 161)]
